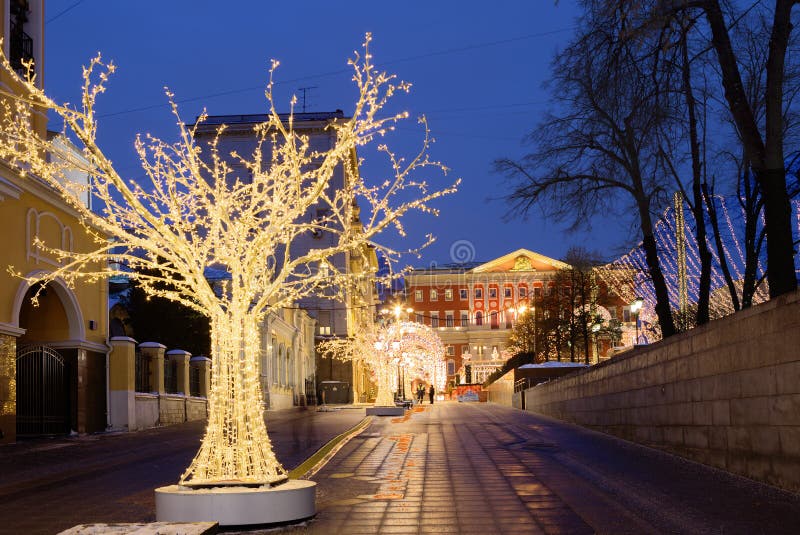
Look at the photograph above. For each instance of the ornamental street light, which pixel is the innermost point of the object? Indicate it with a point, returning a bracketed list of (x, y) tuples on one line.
[(636, 306)]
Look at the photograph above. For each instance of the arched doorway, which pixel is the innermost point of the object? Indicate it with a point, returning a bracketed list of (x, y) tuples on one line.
[(46, 370), (43, 403)]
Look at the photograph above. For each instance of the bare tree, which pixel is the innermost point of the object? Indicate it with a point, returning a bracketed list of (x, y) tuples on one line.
[(762, 142), (599, 152)]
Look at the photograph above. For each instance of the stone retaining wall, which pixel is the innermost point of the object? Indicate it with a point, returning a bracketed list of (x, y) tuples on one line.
[(726, 394)]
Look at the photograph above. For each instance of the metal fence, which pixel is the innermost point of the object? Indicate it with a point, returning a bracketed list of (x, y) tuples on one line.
[(194, 381), (143, 363), (170, 376)]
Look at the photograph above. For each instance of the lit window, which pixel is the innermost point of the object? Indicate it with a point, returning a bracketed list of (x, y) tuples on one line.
[(434, 294), (448, 294), (464, 349), (418, 296)]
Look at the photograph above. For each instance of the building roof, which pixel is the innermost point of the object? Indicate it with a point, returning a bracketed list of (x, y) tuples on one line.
[(257, 118)]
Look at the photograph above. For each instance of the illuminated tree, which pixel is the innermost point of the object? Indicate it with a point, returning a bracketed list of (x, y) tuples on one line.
[(415, 348), (195, 213)]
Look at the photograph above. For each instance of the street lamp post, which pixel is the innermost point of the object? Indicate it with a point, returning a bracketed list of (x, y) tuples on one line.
[(636, 306)]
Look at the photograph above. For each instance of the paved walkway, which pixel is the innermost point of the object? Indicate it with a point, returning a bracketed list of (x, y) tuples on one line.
[(48, 485), (484, 469), (469, 468)]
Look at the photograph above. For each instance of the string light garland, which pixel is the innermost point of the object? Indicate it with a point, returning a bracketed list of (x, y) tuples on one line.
[(629, 274), (195, 214)]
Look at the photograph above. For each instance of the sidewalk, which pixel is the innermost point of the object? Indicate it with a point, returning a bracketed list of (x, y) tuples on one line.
[(50, 484)]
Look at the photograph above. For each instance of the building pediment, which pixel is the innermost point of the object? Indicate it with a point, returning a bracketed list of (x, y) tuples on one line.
[(521, 260)]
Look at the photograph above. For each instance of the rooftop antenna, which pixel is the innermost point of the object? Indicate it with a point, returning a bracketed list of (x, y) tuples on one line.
[(305, 97)]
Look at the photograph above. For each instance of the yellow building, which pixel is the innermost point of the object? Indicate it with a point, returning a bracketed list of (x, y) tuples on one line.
[(52, 356)]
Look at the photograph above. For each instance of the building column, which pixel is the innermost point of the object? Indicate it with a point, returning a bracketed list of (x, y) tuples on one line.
[(181, 358), (8, 382), (122, 383), (155, 351), (204, 365)]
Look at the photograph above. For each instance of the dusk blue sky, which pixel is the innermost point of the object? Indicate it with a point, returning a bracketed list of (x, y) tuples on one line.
[(477, 70)]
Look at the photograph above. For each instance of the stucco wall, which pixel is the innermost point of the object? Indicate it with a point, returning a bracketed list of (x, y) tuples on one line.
[(726, 394), (196, 409), (146, 410), (172, 409)]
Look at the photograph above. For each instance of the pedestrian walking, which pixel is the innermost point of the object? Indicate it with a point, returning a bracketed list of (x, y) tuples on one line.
[(420, 393), (430, 394)]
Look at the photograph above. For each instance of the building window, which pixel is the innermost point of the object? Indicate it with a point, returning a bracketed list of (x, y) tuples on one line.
[(418, 296), (537, 291), (464, 349), (479, 351), (434, 319), (523, 292), (324, 323), (478, 318), (626, 314), (451, 367), (548, 289), (448, 319), (478, 293), (492, 293), (612, 312), (434, 294), (420, 318), (448, 294), (507, 293), (462, 293), (465, 319), (451, 350)]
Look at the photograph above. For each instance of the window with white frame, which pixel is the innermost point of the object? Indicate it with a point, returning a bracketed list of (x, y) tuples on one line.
[(448, 294), (462, 293), (451, 350), (492, 293), (449, 319), (434, 319), (433, 294), (418, 296), (523, 292), (464, 318), (478, 293), (507, 292), (451, 367)]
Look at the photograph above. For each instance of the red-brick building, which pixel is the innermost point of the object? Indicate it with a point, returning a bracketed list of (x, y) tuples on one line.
[(475, 308)]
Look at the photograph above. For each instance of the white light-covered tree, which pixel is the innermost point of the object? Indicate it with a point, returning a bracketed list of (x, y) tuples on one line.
[(414, 347), (194, 213)]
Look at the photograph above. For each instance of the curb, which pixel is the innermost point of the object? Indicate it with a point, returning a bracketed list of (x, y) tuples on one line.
[(320, 458)]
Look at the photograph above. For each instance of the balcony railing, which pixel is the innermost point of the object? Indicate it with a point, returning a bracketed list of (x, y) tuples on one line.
[(20, 47)]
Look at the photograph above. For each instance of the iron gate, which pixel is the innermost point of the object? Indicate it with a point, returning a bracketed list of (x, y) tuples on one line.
[(42, 400)]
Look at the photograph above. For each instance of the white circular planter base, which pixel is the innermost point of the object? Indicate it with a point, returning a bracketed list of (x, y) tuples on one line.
[(292, 501)]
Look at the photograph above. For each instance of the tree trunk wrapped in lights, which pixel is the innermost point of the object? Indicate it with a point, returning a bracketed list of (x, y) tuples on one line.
[(196, 214)]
